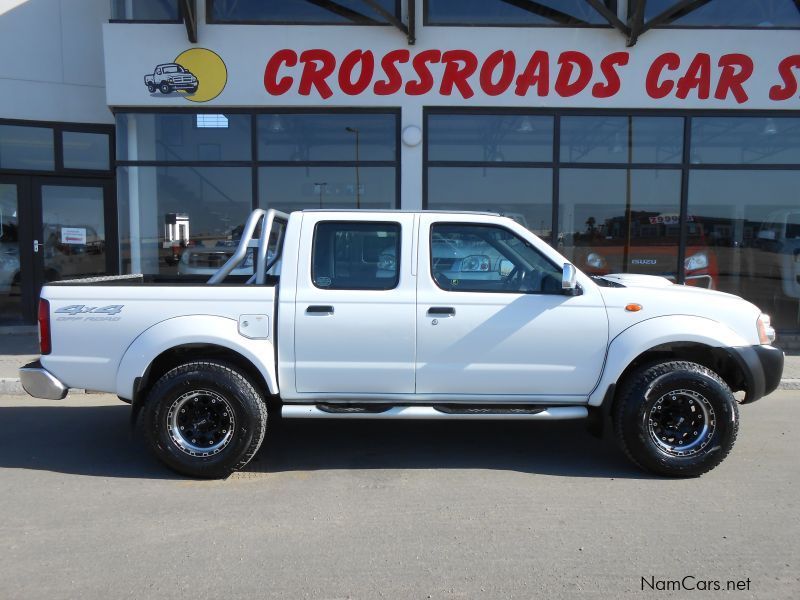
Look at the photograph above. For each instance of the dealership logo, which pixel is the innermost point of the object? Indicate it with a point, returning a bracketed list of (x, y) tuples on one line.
[(198, 74), (643, 261)]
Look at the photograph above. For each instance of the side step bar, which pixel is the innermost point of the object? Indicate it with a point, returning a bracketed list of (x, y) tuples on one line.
[(329, 411)]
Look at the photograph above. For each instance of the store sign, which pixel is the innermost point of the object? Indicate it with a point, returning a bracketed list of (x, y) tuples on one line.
[(262, 65)]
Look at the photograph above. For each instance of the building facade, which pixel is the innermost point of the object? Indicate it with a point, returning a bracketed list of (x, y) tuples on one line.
[(656, 137)]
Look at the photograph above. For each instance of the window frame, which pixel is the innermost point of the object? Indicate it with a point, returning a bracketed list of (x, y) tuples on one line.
[(253, 162), (468, 224), (212, 21), (556, 165), (179, 19), (427, 22), (58, 128), (399, 247)]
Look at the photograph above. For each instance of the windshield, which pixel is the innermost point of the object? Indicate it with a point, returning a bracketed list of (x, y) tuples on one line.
[(174, 69)]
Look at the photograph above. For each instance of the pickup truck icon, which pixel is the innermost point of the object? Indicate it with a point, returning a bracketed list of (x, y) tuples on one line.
[(169, 77)]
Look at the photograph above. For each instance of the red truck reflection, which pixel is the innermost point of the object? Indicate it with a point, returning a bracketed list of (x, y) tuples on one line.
[(647, 244)]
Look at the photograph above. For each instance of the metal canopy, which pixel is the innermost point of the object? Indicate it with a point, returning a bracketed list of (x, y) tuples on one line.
[(189, 14), (409, 30)]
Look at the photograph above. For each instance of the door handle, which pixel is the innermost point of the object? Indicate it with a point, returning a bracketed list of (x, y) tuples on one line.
[(319, 310), (441, 311)]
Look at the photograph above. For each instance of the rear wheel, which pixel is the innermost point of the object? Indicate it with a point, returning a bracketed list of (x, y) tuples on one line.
[(676, 418), (151, 87), (204, 419)]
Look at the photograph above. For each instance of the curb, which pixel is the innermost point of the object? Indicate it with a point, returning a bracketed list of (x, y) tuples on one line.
[(12, 386)]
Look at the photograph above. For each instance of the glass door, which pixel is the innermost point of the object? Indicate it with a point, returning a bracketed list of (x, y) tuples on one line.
[(75, 232), (16, 279)]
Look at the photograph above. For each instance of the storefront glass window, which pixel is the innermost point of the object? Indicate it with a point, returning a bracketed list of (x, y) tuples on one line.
[(626, 221), (27, 148), (186, 181), (499, 12), (751, 221), (524, 194), (182, 137), (745, 140), (327, 137), (600, 139), (296, 188), (729, 13), (181, 220), (300, 11), (145, 10), (490, 138), (86, 151)]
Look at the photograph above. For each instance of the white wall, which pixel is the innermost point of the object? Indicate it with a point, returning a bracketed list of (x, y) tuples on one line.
[(52, 60)]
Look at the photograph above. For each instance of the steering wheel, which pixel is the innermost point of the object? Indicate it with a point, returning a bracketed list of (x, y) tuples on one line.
[(516, 279)]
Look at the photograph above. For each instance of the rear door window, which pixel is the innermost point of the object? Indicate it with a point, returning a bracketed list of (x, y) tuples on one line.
[(356, 255)]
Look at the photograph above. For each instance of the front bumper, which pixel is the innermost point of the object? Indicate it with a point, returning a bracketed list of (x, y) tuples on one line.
[(762, 367), (40, 383)]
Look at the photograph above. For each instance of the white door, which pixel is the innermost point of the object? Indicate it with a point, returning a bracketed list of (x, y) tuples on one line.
[(492, 319), (355, 308)]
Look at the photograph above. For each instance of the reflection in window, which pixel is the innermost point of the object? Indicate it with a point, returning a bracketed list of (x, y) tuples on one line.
[(26, 148), (729, 13), (745, 140), (490, 138), (481, 258), (588, 139), (295, 188), (145, 10), (628, 221), (177, 211), (86, 151), (525, 195), (751, 220), (328, 137), (500, 12), (183, 137), (301, 11)]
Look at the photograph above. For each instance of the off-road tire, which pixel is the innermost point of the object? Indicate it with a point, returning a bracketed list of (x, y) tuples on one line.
[(151, 87), (643, 432), (206, 382), (164, 87)]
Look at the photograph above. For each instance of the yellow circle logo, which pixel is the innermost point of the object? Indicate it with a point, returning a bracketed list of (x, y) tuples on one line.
[(210, 71)]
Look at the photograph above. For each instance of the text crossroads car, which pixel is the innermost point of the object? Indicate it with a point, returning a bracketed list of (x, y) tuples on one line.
[(405, 315)]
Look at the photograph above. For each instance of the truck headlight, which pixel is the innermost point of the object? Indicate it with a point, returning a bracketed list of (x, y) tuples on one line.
[(595, 261), (766, 334), (475, 263), (696, 262)]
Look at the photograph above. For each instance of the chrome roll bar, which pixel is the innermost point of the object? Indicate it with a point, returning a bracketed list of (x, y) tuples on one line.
[(258, 215)]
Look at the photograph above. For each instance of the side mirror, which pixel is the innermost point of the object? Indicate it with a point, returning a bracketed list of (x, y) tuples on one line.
[(569, 284)]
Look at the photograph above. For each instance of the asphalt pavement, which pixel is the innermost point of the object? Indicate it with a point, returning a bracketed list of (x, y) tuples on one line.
[(391, 510)]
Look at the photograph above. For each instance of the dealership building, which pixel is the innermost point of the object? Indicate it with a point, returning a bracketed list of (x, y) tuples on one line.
[(658, 137)]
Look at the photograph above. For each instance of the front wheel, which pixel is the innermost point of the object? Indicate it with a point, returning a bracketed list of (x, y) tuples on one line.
[(676, 418), (204, 419), (165, 87)]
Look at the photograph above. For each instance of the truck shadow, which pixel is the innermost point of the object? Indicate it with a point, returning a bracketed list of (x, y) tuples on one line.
[(556, 448), (98, 441)]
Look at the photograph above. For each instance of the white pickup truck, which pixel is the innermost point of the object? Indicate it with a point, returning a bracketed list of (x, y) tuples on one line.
[(407, 315)]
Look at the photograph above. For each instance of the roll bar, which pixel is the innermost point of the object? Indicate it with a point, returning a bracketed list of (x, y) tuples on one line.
[(269, 217)]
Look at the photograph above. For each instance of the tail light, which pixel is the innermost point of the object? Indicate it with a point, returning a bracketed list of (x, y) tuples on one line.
[(44, 327)]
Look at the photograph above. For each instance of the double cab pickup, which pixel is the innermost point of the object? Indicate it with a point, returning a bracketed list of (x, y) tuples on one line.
[(407, 315)]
